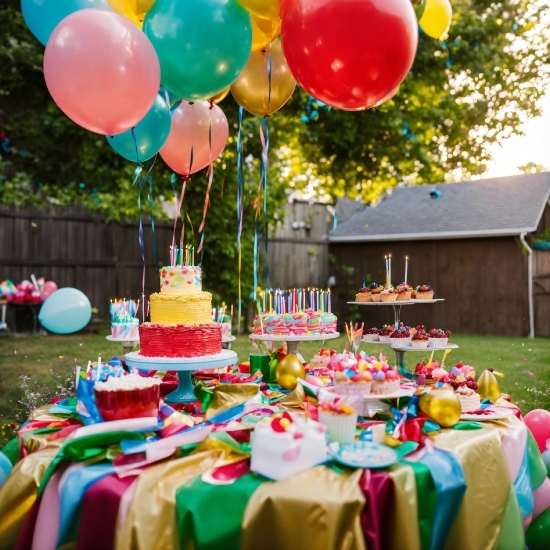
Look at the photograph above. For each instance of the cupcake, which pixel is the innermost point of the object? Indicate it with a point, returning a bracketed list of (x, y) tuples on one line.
[(440, 375), (320, 359), (420, 339), (466, 392), (375, 291), (371, 334), (404, 292), (385, 382), (388, 294), (438, 338), (423, 374), (401, 337), (339, 418), (384, 335), (351, 376), (363, 295), (424, 292)]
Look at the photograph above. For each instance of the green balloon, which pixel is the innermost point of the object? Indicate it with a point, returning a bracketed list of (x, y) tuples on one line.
[(546, 459), (538, 533), (202, 45), (537, 468), (511, 535)]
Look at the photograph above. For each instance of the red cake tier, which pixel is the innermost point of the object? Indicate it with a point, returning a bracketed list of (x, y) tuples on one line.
[(179, 340)]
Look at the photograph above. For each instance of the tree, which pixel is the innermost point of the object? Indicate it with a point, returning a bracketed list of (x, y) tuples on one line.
[(532, 168)]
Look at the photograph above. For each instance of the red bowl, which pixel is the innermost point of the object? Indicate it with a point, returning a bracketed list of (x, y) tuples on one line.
[(121, 404)]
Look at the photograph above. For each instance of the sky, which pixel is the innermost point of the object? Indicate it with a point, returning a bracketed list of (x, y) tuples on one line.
[(534, 146)]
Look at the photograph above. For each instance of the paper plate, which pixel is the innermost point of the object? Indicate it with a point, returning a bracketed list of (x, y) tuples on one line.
[(496, 414), (364, 454)]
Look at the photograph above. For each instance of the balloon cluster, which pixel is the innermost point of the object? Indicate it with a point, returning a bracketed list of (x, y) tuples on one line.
[(104, 66)]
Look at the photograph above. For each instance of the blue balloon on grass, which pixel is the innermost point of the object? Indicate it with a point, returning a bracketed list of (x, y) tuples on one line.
[(65, 311), (42, 16), (151, 133)]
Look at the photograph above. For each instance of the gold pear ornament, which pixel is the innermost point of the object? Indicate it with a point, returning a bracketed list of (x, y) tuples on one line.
[(441, 405), (487, 386), (288, 371)]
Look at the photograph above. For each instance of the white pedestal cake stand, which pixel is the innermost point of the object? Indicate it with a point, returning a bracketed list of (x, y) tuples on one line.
[(226, 341), (293, 340), (184, 366), (128, 344)]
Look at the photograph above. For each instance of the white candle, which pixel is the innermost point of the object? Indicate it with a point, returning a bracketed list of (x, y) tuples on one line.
[(406, 267), (389, 274), (386, 259)]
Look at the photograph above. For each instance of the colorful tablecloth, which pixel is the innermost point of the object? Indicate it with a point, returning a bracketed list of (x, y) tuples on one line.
[(465, 490)]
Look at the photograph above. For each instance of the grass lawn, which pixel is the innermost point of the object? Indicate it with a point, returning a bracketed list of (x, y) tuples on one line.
[(525, 362)]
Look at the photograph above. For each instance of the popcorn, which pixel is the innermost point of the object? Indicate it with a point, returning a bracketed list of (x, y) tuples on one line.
[(127, 383)]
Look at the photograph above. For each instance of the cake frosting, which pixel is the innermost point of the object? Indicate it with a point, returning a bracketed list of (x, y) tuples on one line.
[(127, 330), (181, 309), (181, 279), (180, 340)]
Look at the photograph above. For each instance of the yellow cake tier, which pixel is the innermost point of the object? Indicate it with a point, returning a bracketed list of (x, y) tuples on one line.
[(181, 309)]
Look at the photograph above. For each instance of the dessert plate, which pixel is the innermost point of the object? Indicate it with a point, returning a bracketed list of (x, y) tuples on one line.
[(497, 413), (364, 454), (402, 392)]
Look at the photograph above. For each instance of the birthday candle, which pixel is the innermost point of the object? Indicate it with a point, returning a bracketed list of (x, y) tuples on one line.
[(386, 260), (389, 272), (329, 309), (406, 267)]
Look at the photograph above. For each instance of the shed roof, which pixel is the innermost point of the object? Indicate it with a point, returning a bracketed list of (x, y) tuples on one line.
[(485, 208)]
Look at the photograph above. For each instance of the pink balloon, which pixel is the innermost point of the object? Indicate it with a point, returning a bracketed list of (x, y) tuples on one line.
[(101, 70), (542, 498), (538, 421), (190, 128), (48, 288)]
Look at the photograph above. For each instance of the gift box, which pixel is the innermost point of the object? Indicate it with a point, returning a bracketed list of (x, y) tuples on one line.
[(287, 445)]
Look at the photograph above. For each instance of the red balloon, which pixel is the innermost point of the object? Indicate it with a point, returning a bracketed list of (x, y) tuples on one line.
[(538, 421), (191, 125), (101, 70), (349, 53)]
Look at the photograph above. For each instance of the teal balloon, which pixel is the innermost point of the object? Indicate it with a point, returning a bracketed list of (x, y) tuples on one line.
[(202, 45), (42, 16), (65, 311), (537, 467), (151, 133), (537, 536), (546, 460)]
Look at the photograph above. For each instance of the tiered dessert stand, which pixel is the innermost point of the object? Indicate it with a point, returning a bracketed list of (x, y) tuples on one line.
[(128, 344), (184, 392), (401, 350), (292, 341)]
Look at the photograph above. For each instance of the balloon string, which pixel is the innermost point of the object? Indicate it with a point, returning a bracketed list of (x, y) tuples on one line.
[(268, 80), (135, 145), (150, 201), (256, 250), (264, 137), (210, 178), (240, 209)]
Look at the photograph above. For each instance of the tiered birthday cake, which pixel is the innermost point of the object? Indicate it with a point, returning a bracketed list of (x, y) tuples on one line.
[(124, 323), (181, 317)]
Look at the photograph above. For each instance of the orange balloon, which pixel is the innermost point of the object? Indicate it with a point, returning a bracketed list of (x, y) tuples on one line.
[(220, 97), (255, 91), (264, 31)]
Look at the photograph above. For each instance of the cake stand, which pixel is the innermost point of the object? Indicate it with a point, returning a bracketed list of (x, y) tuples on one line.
[(128, 344), (226, 341), (184, 365), (292, 340)]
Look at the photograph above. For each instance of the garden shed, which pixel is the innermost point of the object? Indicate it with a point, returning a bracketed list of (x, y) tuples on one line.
[(474, 242)]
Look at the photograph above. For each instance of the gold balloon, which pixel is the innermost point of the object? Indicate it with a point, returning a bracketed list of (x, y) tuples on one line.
[(288, 371), (253, 89), (436, 19), (264, 31), (220, 97), (441, 405), (487, 386), (134, 10), (266, 9)]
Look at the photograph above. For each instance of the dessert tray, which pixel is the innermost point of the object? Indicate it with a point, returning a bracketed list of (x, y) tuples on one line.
[(398, 302), (410, 348), (292, 340), (402, 392), (496, 413)]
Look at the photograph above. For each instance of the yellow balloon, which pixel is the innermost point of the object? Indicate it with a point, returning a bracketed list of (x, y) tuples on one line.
[(264, 31), (436, 19), (442, 405), (487, 386), (134, 10), (266, 9), (254, 91), (288, 371), (220, 97)]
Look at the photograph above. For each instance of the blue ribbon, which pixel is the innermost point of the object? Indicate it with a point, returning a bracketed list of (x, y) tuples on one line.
[(450, 485), (264, 130), (76, 484), (240, 205)]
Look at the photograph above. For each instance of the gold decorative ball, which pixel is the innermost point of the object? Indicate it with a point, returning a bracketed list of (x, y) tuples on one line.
[(487, 386), (288, 371), (441, 405)]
